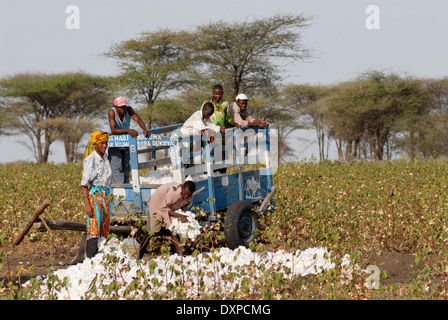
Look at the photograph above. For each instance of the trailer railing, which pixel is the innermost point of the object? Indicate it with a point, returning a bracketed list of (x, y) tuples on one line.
[(196, 155)]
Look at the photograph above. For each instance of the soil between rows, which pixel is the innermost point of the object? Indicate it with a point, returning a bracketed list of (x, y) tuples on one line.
[(400, 267)]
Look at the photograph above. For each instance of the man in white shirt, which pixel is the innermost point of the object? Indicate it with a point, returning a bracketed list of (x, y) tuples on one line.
[(200, 120)]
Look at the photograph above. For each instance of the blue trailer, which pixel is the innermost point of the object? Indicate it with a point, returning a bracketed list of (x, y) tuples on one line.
[(235, 198)]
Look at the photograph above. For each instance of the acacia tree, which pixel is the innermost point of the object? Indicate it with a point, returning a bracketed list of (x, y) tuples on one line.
[(345, 118), (281, 117), (153, 64), (243, 55), (414, 127), (373, 108), (70, 131), (306, 101), (437, 92), (388, 99), (30, 101)]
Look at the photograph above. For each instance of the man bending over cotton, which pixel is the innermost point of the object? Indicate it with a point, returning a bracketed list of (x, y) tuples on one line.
[(163, 204)]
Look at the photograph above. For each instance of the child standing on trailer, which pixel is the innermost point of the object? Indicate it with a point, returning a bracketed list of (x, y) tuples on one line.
[(222, 116)]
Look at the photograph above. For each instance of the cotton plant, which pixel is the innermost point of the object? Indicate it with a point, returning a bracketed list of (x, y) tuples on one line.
[(114, 274), (189, 230)]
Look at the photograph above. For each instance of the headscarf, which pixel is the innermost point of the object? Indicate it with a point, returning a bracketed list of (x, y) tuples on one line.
[(95, 137), (99, 136)]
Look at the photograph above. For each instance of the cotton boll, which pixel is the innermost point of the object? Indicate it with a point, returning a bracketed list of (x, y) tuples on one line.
[(130, 242), (190, 230), (97, 271), (160, 176), (165, 174)]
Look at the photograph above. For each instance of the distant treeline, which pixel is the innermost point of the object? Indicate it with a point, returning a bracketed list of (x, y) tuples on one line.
[(168, 74)]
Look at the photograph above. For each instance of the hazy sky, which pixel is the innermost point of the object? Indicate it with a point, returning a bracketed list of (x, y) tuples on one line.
[(409, 37)]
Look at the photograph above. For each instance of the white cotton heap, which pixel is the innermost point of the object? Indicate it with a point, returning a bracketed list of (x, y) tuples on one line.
[(165, 174), (190, 230), (212, 269), (160, 176)]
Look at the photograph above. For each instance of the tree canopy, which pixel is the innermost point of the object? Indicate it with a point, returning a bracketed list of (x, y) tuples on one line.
[(244, 56), (30, 101), (153, 64), (169, 74)]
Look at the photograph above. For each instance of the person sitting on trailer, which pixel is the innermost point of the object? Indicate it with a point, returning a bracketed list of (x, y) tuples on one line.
[(95, 186), (241, 116), (119, 123), (200, 122), (162, 205)]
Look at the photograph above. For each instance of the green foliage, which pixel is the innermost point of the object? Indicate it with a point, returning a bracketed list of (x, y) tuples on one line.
[(240, 54), (26, 185), (50, 107), (395, 206), (153, 64)]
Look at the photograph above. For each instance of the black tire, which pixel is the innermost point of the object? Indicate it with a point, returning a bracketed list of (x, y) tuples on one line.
[(241, 224)]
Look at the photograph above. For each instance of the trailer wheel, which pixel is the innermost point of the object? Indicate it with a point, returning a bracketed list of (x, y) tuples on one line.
[(241, 224)]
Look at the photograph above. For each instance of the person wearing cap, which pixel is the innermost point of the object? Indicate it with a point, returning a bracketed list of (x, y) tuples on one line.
[(119, 123), (95, 186), (241, 116)]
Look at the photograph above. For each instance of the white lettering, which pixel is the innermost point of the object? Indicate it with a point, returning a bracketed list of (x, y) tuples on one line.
[(373, 281), (73, 20), (245, 309), (373, 20), (193, 310)]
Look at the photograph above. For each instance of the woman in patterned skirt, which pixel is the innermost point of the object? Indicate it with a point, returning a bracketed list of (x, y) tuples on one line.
[(95, 185)]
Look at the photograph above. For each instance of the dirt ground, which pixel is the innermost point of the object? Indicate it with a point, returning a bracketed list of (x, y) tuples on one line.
[(399, 267), (42, 266)]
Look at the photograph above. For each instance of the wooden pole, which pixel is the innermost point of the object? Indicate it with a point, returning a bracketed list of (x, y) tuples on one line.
[(77, 226), (34, 217)]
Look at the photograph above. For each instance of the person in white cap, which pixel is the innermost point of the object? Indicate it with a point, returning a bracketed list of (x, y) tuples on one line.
[(241, 116), (119, 123)]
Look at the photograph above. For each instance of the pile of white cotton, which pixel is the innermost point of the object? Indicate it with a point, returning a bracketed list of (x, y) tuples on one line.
[(201, 274), (190, 230), (165, 174), (160, 176)]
